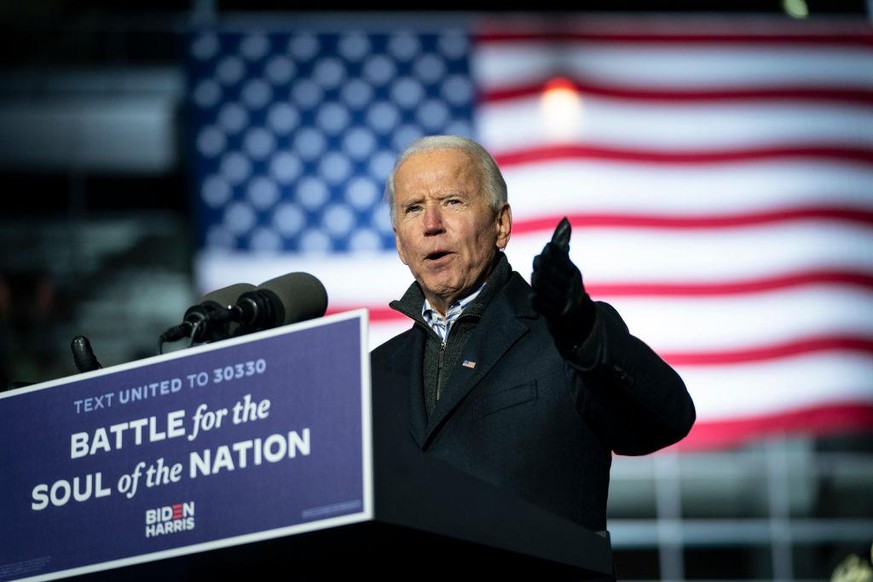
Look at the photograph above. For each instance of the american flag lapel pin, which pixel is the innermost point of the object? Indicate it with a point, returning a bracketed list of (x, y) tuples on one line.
[(469, 364)]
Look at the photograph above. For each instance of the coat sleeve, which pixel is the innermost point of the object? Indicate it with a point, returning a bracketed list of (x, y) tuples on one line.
[(631, 397)]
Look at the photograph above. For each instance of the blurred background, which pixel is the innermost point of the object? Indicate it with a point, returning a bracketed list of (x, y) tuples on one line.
[(715, 159)]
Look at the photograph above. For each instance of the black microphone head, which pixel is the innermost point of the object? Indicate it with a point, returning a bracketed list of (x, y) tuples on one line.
[(302, 296), (286, 299)]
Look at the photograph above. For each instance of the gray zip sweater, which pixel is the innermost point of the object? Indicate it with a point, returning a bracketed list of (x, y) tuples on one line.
[(441, 358)]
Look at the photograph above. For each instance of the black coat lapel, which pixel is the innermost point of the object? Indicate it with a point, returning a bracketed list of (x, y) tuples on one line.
[(503, 323)]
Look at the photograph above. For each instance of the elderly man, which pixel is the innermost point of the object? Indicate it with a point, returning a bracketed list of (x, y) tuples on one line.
[(528, 387)]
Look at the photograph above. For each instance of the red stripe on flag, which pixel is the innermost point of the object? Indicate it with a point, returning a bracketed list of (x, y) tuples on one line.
[(771, 352), (383, 314), (708, 289), (814, 421), (707, 222), (588, 152)]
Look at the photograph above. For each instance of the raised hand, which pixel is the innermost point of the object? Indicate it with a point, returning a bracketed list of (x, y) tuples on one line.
[(558, 292)]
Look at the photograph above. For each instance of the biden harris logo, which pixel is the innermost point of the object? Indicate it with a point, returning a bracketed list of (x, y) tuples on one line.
[(169, 519)]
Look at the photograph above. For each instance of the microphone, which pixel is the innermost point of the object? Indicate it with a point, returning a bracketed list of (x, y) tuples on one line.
[(287, 299), (210, 319), (83, 354)]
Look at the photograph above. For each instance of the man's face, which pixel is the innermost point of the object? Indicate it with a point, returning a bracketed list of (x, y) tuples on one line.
[(446, 232)]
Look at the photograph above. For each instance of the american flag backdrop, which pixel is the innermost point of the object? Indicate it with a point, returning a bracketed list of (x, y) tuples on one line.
[(718, 173)]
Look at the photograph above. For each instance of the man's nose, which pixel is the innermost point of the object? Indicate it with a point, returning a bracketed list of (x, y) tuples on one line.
[(433, 219)]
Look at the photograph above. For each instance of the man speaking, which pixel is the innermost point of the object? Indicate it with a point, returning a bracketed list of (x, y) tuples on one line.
[(529, 387)]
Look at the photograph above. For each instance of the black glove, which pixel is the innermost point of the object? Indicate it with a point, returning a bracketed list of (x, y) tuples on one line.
[(558, 292)]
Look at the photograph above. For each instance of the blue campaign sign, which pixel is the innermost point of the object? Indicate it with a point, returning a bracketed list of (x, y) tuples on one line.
[(250, 438)]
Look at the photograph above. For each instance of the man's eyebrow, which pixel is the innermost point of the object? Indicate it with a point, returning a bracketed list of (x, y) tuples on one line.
[(411, 201)]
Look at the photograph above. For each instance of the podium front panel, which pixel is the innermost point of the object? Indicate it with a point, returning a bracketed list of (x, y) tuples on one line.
[(213, 446)]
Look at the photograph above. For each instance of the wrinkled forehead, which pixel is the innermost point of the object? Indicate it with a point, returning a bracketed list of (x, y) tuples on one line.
[(435, 169)]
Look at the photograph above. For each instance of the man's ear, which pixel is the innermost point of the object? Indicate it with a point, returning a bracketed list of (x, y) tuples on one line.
[(504, 226)]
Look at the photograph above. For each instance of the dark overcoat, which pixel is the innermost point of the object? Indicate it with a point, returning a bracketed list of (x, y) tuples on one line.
[(519, 415)]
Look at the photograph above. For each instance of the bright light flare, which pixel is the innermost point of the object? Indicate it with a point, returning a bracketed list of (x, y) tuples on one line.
[(561, 109)]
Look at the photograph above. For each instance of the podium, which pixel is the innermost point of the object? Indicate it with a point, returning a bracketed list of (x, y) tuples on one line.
[(307, 475)]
